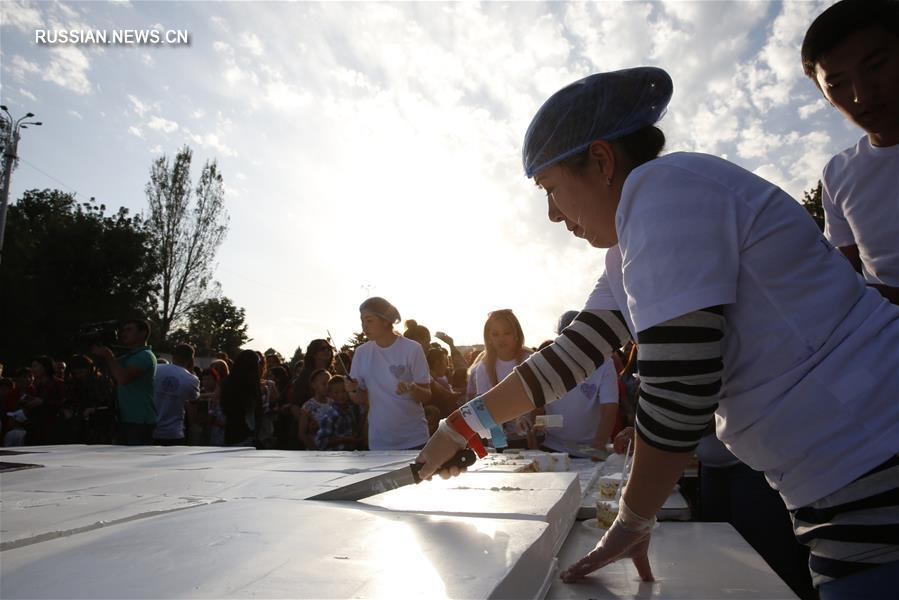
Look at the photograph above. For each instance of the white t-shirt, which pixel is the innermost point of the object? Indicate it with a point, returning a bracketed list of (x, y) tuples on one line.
[(394, 422), (517, 428), (861, 206), (811, 356), (173, 387), (580, 409)]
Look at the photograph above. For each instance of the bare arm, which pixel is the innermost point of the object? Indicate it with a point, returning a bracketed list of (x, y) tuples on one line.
[(608, 413)]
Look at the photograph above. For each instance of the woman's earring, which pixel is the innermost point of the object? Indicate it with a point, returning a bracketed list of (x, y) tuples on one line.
[(608, 182)]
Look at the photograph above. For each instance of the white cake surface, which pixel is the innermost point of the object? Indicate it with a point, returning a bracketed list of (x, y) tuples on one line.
[(221, 523)]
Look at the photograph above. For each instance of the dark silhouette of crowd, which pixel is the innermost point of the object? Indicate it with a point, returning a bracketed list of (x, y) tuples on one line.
[(130, 396)]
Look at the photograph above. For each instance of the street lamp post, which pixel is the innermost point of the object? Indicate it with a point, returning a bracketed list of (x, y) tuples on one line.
[(12, 127)]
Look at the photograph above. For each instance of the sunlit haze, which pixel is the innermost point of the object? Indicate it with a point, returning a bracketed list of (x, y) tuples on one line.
[(374, 148)]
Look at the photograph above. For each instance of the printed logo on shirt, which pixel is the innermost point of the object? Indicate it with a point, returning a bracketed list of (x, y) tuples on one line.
[(400, 372), (170, 385), (588, 390)]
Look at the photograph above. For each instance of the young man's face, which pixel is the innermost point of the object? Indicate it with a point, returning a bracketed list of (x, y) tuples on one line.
[(860, 77), (131, 336)]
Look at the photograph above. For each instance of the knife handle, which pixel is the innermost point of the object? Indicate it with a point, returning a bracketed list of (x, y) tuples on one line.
[(462, 459)]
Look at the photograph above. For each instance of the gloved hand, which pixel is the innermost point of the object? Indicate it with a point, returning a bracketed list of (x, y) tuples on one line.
[(628, 537), (442, 446)]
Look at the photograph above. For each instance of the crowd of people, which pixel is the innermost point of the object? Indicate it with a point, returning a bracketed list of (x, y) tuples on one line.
[(355, 399)]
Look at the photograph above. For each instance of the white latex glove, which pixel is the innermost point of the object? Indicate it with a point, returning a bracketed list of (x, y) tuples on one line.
[(628, 537), (442, 446)]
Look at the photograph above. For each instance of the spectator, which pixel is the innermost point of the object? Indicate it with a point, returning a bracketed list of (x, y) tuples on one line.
[(60, 369), (390, 376), (175, 387), (319, 355), (49, 392), (20, 402), (851, 52), (241, 399), (221, 367), (443, 398), (265, 424), (504, 349), (89, 398), (210, 391), (459, 365), (339, 426), (314, 409), (133, 373), (9, 405), (418, 333)]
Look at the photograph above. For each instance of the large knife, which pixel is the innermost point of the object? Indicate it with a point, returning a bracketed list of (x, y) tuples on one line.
[(392, 480)]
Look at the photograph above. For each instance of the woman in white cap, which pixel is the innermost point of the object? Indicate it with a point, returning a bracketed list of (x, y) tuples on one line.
[(390, 375), (743, 314)]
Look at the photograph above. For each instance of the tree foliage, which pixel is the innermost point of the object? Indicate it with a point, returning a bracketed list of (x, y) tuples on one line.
[(811, 201), (66, 263), (187, 226), (214, 325)]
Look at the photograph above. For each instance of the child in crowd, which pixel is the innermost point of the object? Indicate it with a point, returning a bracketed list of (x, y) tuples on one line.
[(209, 391), (314, 409), (339, 427), (504, 350), (443, 398)]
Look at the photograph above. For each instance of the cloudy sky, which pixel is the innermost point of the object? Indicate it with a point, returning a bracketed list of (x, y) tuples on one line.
[(374, 148)]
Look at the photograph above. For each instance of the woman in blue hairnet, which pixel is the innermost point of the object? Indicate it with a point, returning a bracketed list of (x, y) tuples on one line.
[(743, 314)]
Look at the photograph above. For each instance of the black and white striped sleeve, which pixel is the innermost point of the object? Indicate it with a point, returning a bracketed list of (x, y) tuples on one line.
[(578, 351), (680, 364)]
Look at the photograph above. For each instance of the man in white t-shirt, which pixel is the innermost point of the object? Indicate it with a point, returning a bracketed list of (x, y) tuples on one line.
[(851, 52), (174, 386)]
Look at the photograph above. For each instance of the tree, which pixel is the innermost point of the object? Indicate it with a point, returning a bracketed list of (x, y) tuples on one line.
[(811, 202), (188, 226), (65, 264), (214, 325), (354, 342)]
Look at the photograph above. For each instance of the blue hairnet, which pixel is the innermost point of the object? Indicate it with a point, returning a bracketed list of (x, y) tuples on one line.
[(565, 320), (603, 106)]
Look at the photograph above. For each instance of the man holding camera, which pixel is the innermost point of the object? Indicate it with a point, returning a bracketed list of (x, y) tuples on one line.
[(133, 373)]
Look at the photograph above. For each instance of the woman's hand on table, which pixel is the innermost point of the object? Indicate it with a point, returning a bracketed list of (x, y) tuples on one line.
[(618, 542)]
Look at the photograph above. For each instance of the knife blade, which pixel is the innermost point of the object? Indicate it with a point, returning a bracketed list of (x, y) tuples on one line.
[(392, 480)]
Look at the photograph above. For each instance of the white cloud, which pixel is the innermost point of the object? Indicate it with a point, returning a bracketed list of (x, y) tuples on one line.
[(157, 149), (161, 124), (198, 114), (20, 15), (222, 47), (25, 93), (251, 42), (809, 109), (137, 105), (20, 66), (211, 140), (68, 68), (75, 114), (136, 131), (221, 23)]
